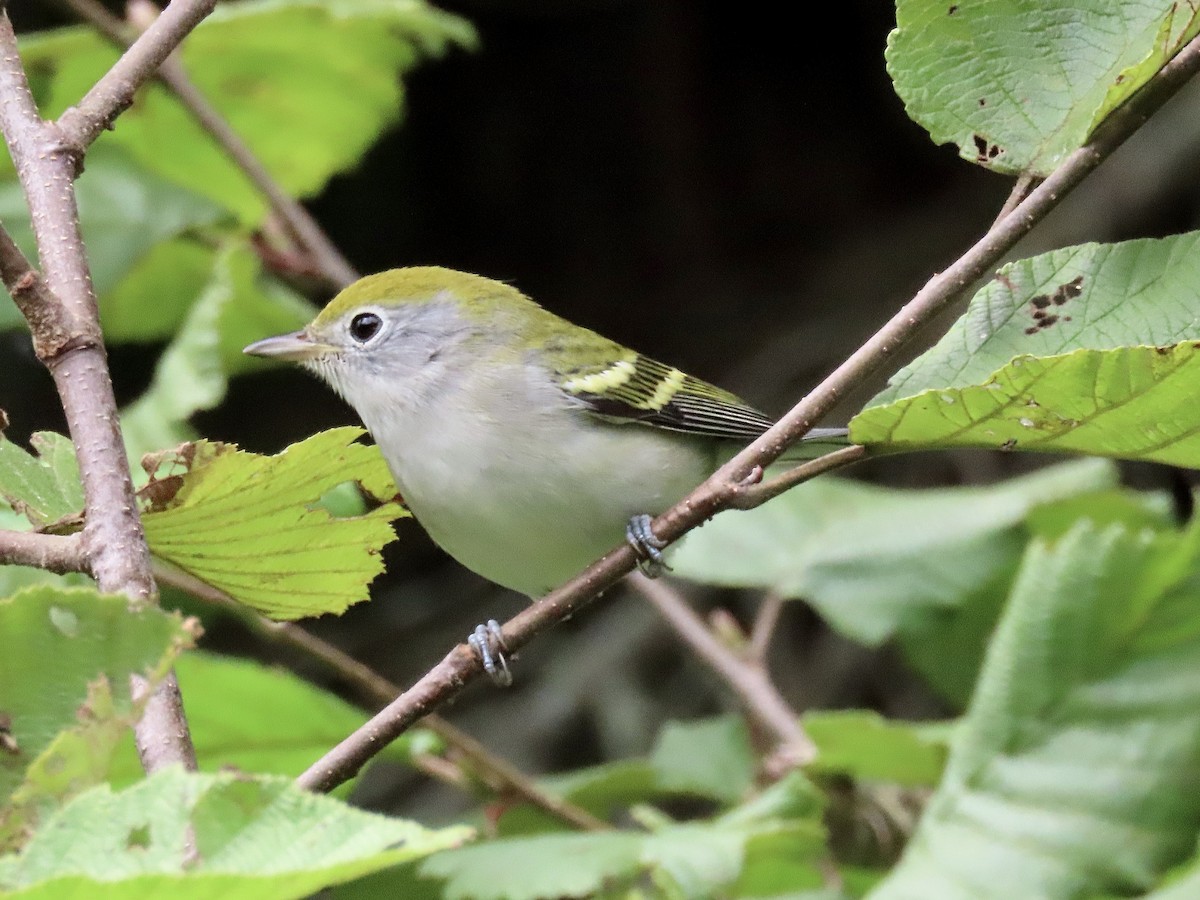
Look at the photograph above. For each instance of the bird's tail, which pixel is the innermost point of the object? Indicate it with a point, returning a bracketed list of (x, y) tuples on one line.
[(816, 443)]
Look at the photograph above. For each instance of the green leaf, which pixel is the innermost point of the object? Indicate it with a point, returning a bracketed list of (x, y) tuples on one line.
[(124, 211), (249, 525), (1087, 349), (1088, 297), (710, 758), (77, 758), (695, 860), (1133, 403), (875, 561), (43, 488), (255, 838), (864, 745), (152, 301), (58, 643), (1077, 767), (308, 84), (1019, 84), (252, 718), (238, 305)]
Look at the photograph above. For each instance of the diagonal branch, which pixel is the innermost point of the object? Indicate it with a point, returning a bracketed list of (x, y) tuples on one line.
[(63, 317), (759, 696), (447, 678)]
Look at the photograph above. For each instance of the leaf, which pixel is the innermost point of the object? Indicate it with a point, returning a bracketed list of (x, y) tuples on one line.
[(251, 718), (125, 210), (238, 304), (46, 487), (709, 758), (1088, 349), (1019, 84), (255, 838), (77, 758), (863, 745), (59, 643), (875, 561), (249, 525), (308, 84), (1076, 770), (1101, 297), (1134, 403), (695, 860)]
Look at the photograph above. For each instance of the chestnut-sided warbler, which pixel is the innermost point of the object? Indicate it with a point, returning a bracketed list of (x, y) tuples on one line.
[(522, 443)]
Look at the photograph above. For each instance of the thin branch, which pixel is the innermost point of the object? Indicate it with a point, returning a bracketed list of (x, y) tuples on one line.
[(302, 229), (1020, 190), (501, 775), (446, 679), (764, 627), (113, 93), (750, 682), (70, 345), (55, 553), (748, 495)]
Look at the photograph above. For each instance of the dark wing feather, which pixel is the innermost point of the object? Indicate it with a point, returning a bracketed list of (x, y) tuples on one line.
[(636, 388)]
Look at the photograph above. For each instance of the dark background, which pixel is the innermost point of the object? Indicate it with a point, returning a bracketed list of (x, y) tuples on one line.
[(733, 190)]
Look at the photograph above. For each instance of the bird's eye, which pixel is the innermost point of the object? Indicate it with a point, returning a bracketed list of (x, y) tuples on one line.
[(365, 326)]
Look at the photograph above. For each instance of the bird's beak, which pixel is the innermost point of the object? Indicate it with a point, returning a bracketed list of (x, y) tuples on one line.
[(296, 347)]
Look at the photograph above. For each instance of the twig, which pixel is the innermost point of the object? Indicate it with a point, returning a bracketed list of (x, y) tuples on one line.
[(446, 679), (301, 228), (498, 773), (55, 553), (764, 627), (113, 93), (748, 495), (67, 331), (1020, 190), (749, 681)]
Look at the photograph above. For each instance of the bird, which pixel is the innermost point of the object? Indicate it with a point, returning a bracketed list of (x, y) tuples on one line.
[(524, 445)]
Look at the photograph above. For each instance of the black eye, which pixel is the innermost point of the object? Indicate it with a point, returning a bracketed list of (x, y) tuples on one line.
[(365, 326)]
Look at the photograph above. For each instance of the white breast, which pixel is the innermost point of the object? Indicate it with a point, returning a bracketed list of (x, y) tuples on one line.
[(528, 493)]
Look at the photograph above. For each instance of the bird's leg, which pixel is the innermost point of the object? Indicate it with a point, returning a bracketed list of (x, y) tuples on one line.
[(647, 545), (488, 643)]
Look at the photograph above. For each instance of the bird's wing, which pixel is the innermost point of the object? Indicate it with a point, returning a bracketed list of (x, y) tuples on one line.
[(635, 388)]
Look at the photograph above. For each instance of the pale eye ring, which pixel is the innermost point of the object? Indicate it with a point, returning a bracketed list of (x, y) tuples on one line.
[(365, 326)]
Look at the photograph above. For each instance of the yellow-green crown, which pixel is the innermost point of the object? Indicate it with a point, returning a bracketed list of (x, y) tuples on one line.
[(421, 284)]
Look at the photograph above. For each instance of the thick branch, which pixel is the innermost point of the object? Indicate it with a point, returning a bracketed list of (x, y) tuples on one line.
[(55, 553), (447, 678), (113, 93), (73, 350), (750, 682)]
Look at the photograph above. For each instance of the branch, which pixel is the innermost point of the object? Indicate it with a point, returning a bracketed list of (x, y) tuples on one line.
[(446, 679), (302, 229), (66, 328), (501, 775), (750, 682), (55, 553), (113, 93)]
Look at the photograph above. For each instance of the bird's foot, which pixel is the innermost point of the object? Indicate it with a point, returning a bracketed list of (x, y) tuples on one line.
[(647, 545), (488, 643)]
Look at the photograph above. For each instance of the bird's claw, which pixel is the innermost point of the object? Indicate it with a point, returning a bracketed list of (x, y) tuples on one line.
[(488, 643), (647, 545)]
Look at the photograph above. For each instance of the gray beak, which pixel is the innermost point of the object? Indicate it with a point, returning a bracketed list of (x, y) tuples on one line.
[(296, 347)]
